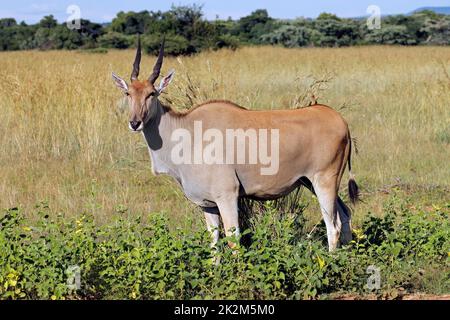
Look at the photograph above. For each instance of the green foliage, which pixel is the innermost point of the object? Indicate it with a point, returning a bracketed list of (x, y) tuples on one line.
[(227, 41), (395, 34), (327, 16), (436, 30), (291, 36), (133, 259), (48, 35), (175, 45), (336, 32), (115, 40), (189, 32), (132, 23), (252, 27), (48, 22)]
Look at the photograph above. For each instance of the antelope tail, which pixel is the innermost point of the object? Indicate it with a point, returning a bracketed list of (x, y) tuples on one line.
[(353, 190)]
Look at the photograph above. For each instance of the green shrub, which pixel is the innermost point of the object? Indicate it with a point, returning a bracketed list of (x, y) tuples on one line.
[(130, 259), (115, 40), (227, 41), (175, 45)]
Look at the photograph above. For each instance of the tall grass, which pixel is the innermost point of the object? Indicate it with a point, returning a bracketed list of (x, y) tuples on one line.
[(64, 140)]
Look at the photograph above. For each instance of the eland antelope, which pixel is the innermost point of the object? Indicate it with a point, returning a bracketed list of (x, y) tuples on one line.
[(313, 146)]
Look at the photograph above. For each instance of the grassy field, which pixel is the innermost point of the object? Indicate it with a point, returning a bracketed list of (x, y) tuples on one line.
[(65, 144), (65, 140)]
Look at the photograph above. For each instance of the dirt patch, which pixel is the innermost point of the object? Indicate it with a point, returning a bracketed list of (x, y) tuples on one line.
[(415, 296), (420, 296)]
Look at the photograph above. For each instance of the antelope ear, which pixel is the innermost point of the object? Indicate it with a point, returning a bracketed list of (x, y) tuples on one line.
[(120, 83), (166, 81)]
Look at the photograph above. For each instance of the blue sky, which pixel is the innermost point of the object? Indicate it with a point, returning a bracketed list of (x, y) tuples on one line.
[(32, 11)]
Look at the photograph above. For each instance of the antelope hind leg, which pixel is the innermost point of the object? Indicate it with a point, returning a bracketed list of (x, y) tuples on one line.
[(344, 214)]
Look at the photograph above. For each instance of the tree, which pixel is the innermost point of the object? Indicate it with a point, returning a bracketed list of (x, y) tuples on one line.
[(390, 34), (437, 30), (188, 32), (252, 27), (290, 36), (328, 16), (115, 40), (131, 23), (340, 32), (48, 22), (7, 23), (175, 45), (62, 37)]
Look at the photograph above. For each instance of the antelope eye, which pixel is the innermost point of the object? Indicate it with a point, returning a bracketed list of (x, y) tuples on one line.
[(127, 94)]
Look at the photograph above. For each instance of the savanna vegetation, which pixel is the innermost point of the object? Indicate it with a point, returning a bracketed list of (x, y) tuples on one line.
[(77, 189), (187, 31), (129, 259)]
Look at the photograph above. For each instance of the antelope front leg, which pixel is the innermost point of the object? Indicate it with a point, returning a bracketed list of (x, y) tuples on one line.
[(212, 223), (229, 213)]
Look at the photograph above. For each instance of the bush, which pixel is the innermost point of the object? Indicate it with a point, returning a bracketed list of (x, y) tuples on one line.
[(130, 259), (290, 36), (189, 32), (175, 45), (391, 34), (227, 41), (115, 40)]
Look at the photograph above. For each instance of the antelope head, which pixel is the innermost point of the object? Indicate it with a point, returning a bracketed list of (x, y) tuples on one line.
[(143, 95)]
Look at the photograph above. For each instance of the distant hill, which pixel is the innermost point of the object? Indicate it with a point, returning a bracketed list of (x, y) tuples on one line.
[(440, 10)]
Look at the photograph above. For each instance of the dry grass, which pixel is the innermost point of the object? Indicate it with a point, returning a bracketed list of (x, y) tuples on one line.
[(65, 141)]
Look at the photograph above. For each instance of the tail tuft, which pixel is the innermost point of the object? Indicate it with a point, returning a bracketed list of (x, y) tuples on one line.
[(353, 190)]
